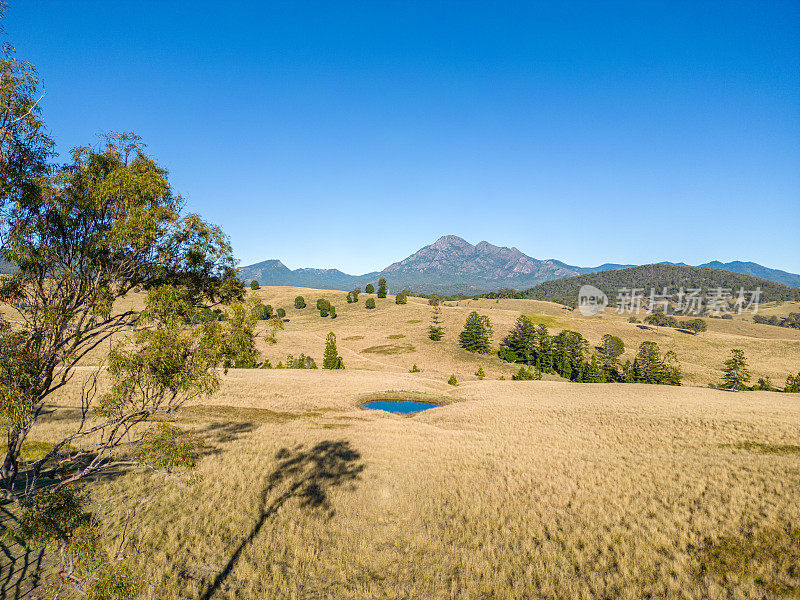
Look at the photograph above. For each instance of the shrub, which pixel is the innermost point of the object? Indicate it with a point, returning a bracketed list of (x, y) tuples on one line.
[(477, 334), (370, 289), (333, 312), (453, 380), (323, 312), (268, 310), (480, 373), (281, 313), (401, 298), (633, 320), (414, 369), (299, 302), (525, 375), (370, 303), (764, 384), (254, 285)]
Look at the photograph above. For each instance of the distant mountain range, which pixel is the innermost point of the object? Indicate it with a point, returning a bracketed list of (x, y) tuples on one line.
[(452, 265)]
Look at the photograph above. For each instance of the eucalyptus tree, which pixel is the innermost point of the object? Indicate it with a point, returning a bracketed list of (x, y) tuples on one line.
[(82, 238)]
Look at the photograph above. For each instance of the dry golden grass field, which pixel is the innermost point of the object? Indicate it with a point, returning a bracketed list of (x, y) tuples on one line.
[(508, 490)]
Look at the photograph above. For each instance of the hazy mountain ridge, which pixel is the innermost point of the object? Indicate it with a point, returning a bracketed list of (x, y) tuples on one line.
[(453, 265), (659, 276)]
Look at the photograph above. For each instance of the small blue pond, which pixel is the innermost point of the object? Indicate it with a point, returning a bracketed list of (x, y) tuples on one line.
[(402, 407)]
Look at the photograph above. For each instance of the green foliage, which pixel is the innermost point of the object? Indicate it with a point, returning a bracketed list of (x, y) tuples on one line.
[(526, 375), (764, 384), (414, 369), (480, 373), (299, 302), (281, 313), (382, 287), (254, 285), (331, 358), (792, 385), (633, 320), (301, 362), (401, 298), (436, 331), (370, 289), (333, 312), (453, 381), (477, 334), (323, 304), (735, 371), (611, 348), (167, 447), (661, 320), (792, 321), (370, 303), (696, 325)]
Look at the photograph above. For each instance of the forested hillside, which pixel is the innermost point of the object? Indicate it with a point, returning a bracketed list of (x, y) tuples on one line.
[(658, 276)]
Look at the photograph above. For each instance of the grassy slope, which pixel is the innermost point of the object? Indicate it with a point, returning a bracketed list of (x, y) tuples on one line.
[(513, 490)]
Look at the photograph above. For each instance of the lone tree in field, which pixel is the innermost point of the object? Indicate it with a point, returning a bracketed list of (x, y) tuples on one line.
[(436, 331), (254, 285), (401, 298), (299, 302), (477, 334), (370, 289), (736, 375), (370, 303), (331, 358), (382, 287)]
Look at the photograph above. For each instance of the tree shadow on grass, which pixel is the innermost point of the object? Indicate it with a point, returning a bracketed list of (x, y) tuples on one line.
[(20, 566), (305, 474)]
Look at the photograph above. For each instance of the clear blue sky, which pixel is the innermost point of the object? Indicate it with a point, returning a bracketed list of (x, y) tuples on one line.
[(348, 135)]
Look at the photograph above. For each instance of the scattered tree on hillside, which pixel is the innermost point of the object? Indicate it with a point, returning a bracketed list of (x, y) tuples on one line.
[(436, 331), (254, 285), (281, 313), (299, 302), (333, 311), (527, 375), (736, 375), (382, 287), (695, 325), (792, 384), (414, 368), (453, 381), (480, 373), (520, 343), (401, 298), (370, 289), (370, 303), (477, 334), (331, 358)]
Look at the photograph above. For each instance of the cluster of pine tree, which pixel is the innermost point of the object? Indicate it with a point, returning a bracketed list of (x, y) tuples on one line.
[(301, 362), (568, 354)]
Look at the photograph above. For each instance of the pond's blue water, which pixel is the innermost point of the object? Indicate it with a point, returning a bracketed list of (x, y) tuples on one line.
[(402, 407)]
